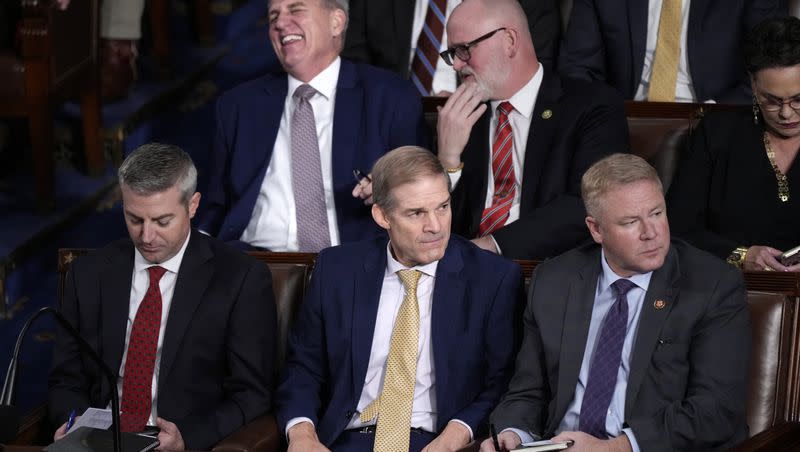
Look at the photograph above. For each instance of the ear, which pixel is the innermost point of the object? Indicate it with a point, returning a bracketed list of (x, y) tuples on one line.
[(380, 217), (594, 229), (338, 22), (194, 202), (511, 42)]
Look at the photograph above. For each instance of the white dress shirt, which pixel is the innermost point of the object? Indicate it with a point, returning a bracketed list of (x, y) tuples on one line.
[(274, 222), (684, 91), (423, 410), (523, 102), (444, 79), (139, 285)]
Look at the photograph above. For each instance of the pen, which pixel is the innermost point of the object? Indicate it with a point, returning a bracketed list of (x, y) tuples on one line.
[(70, 420), (358, 174), (493, 432)]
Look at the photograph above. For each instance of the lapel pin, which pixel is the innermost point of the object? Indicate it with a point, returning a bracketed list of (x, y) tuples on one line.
[(547, 114), (659, 304)]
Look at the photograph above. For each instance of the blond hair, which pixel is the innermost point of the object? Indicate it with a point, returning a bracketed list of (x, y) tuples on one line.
[(613, 171)]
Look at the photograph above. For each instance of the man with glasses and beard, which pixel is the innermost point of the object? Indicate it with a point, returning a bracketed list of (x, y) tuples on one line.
[(515, 137)]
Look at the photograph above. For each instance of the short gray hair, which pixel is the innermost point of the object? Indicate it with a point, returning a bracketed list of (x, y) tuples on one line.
[(155, 167), (401, 166), (613, 171)]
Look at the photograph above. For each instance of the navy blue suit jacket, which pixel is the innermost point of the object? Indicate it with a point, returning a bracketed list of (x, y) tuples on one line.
[(474, 335), (606, 40), (375, 112)]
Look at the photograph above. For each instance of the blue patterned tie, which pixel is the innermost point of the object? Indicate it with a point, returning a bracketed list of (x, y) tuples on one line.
[(605, 363), (309, 194)]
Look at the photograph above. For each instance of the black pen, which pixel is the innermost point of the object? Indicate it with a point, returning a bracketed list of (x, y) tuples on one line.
[(358, 174), (493, 432)]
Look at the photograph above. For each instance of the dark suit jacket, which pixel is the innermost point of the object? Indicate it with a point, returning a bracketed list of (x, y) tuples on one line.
[(473, 335), (587, 122), (605, 40), (724, 193), (687, 386), (375, 112), (217, 358), (379, 32)]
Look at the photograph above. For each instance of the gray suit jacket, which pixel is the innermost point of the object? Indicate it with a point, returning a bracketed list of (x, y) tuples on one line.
[(687, 388)]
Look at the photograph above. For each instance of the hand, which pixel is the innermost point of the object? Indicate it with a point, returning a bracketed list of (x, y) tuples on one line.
[(486, 242), (508, 440), (62, 4), (62, 431), (363, 190), (443, 93), (456, 118), (454, 437), (763, 258), (169, 437), (303, 438), (588, 443)]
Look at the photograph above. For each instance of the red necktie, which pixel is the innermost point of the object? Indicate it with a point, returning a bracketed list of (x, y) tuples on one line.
[(495, 216), (138, 379), (423, 66)]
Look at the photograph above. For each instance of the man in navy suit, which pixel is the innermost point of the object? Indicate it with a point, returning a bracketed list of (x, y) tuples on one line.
[(258, 192), (615, 41), (340, 385)]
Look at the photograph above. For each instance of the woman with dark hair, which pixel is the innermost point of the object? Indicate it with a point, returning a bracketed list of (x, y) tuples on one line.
[(736, 193)]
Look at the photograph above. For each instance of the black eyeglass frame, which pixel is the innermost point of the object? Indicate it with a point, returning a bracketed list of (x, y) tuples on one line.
[(462, 50)]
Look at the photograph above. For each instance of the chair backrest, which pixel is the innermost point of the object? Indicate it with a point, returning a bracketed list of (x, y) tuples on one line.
[(773, 359)]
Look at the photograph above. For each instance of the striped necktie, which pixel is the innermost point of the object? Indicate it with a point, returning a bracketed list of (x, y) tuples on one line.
[(668, 52), (423, 66), (495, 216)]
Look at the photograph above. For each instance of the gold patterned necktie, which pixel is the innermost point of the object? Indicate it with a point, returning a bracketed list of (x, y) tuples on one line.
[(668, 51), (393, 407)]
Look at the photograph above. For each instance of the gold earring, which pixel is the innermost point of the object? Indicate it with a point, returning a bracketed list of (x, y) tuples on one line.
[(755, 111)]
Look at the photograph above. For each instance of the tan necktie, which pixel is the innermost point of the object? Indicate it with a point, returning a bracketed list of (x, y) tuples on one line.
[(668, 51), (393, 407)]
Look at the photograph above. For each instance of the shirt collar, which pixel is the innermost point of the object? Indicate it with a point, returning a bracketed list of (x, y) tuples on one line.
[(608, 276), (172, 264), (394, 266), (524, 100), (325, 82)]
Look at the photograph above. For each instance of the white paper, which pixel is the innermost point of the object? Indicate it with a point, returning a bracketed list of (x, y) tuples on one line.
[(94, 418)]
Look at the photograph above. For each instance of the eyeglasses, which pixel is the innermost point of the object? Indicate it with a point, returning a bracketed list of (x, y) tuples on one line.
[(462, 50), (773, 104)]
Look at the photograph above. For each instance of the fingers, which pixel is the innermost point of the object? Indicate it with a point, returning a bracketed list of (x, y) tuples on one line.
[(61, 432), (363, 190), (166, 426)]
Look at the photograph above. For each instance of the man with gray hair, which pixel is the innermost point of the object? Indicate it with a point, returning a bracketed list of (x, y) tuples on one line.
[(635, 342), (288, 144), (406, 343), (186, 322)]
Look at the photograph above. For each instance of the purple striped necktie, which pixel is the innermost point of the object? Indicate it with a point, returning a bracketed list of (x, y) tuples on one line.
[(423, 66)]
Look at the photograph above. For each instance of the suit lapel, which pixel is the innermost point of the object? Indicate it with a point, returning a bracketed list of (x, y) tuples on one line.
[(403, 21), (476, 161), (364, 308), (446, 309), (540, 136), (637, 20), (347, 123), (115, 295), (195, 272), (663, 286), (276, 88), (573, 337)]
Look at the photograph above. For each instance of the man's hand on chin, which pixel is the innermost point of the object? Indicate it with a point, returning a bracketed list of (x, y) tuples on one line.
[(588, 443), (303, 438), (486, 242), (454, 437), (169, 437)]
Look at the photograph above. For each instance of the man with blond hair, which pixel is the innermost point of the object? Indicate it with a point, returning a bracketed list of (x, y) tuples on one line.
[(634, 343)]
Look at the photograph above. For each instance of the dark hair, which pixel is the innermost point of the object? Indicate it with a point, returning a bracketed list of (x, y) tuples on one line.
[(774, 43)]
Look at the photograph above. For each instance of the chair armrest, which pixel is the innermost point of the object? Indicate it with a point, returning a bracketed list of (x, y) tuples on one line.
[(780, 437), (259, 435)]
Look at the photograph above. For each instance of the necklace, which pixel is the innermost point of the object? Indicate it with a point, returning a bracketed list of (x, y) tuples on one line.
[(783, 184)]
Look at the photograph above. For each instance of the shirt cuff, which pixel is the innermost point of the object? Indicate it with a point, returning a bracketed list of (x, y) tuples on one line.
[(469, 429), (523, 435), (632, 438), (454, 178), (294, 421)]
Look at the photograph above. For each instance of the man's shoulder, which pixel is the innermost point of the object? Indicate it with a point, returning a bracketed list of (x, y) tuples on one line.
[(250, 90), (570, 261), (698, 267), (224, 255), (477, 259), (586, 94), (379, 80), (101, 257)]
